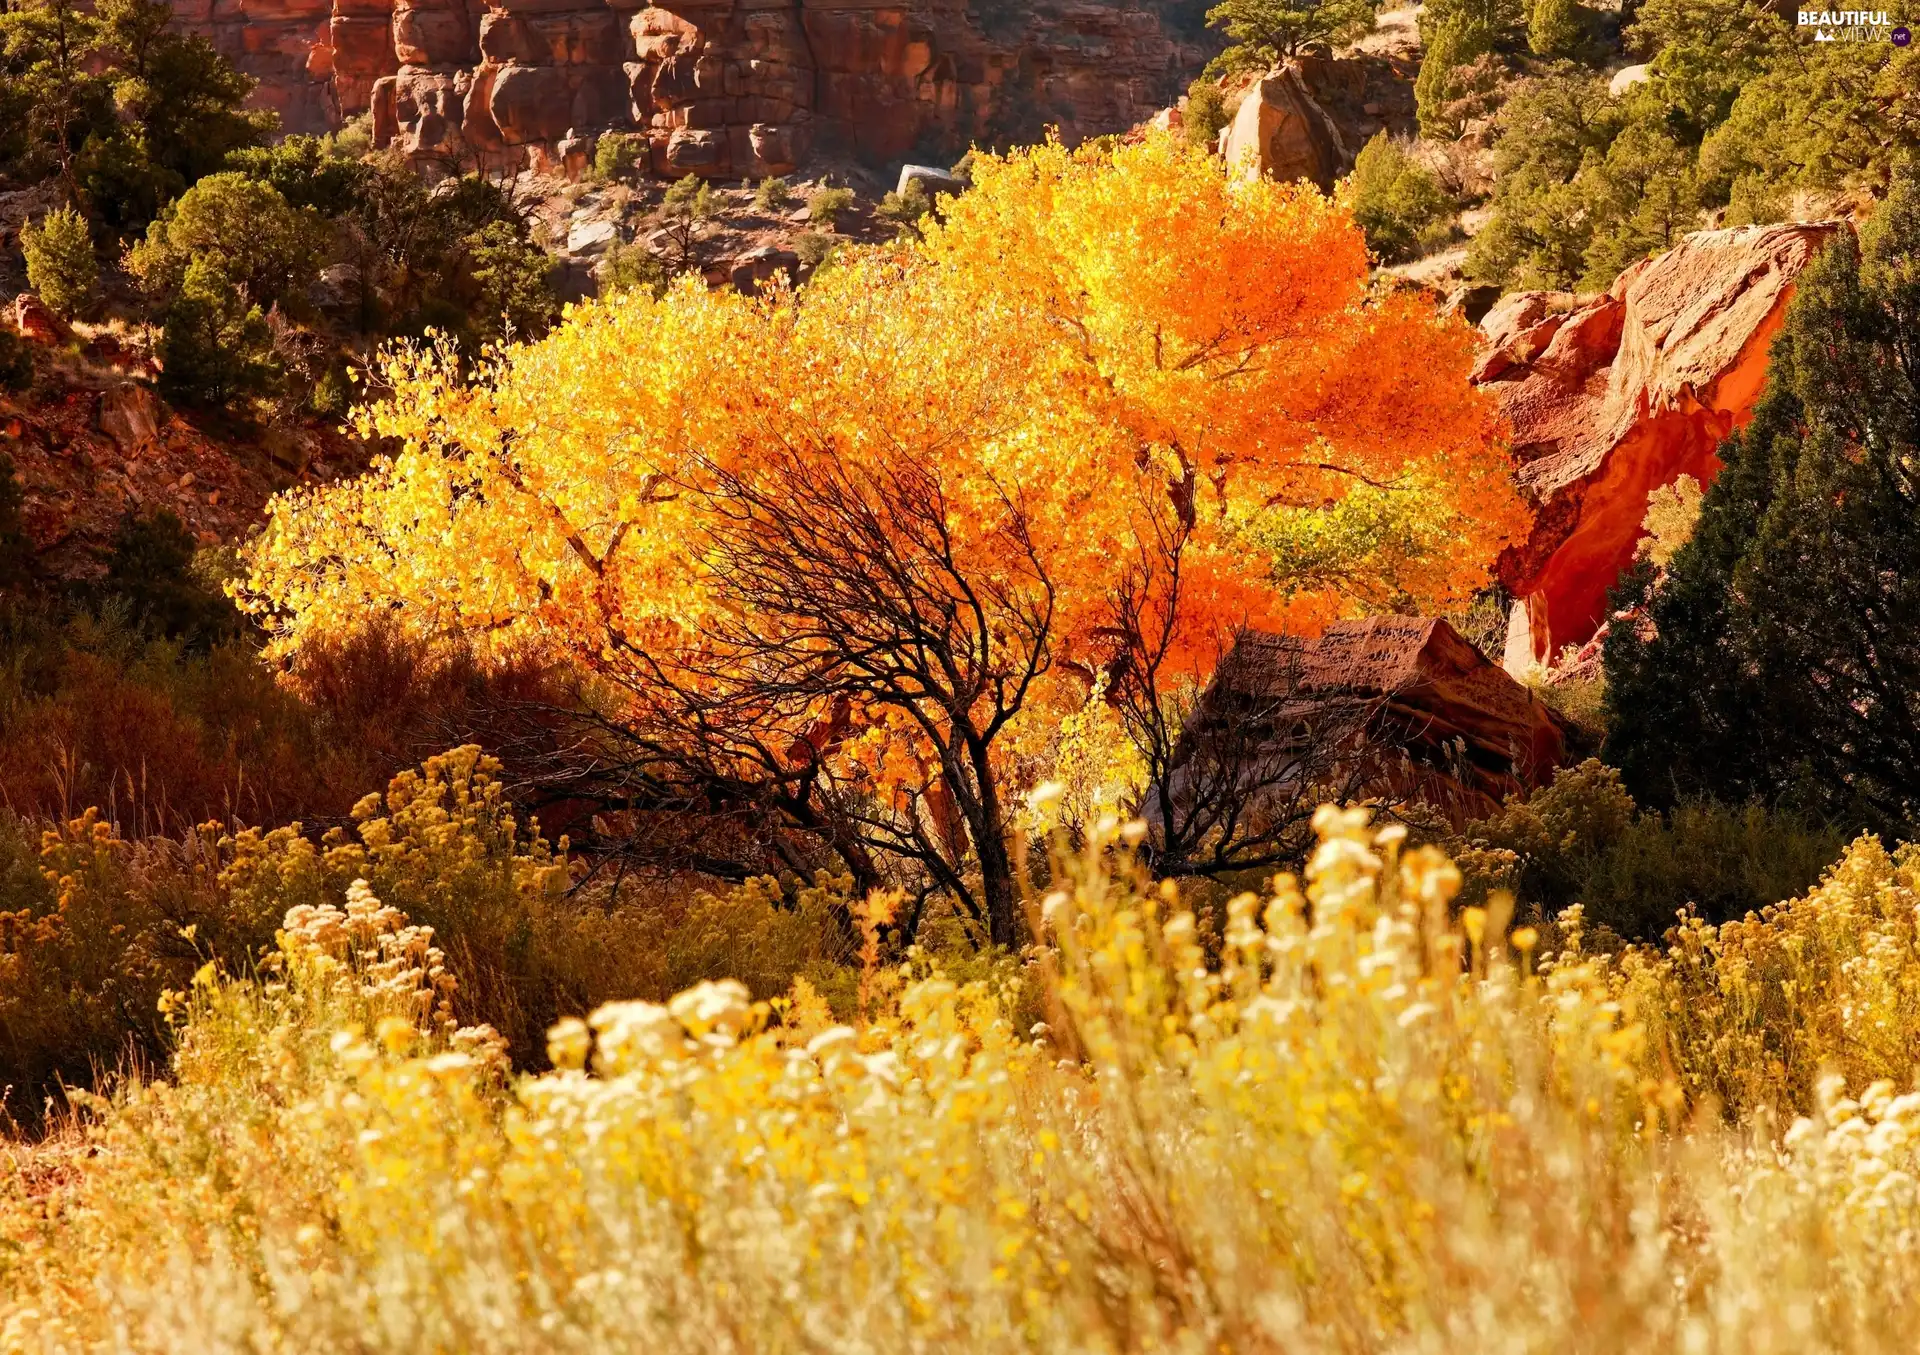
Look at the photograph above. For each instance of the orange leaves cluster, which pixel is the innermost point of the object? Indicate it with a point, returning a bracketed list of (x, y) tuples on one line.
[(1094, 348)]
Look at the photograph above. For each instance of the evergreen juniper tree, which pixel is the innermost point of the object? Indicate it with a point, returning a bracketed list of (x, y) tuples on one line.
[(1262, 32)]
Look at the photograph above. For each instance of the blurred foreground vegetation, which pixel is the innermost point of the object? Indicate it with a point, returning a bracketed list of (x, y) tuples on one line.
[(1343, 1116)]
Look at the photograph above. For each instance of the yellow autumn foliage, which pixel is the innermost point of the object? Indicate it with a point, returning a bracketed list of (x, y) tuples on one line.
[(1091, 344)]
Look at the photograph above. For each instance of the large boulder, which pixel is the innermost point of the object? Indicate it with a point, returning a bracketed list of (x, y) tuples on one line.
[(532, 103), (432, 33), (130, 415), (1281, 133), (933, 181), (1401, 708), (1613, 396), (33, 320)]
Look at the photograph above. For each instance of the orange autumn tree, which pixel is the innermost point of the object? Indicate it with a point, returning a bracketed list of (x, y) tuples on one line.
[(843, 559)]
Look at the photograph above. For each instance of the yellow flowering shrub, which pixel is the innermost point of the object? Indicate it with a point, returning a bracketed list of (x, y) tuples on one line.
[(94, 927), (1759, 1010), (445, 847), (1363, 1121)]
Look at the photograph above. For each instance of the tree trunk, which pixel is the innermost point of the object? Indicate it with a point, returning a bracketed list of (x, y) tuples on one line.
[(997, 885)]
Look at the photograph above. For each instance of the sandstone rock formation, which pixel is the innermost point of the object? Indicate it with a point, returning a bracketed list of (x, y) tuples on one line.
[(283, 44), (1614, 396), (32, 320), (130, 414), (1281, 133), (1417, 713), (722, 88)]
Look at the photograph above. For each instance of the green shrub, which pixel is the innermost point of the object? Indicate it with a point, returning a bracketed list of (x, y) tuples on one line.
[(1703, 52), (1779, 649), (1579, 696), (151, 566), (826, 205), (60, 264), (1262, 32), (118, 101), (1736, 114), (1559, 28), (1583, 840), (332, 394), (617, 155), (1502, 22), (1398, 203), (1484, 622), (774, 195), (1551, 130), (1838, 118), (1205, 115), (904, 211), (510, 274), (816, 251), (686, 210), (183, 96), (627, 266), (1642, 198), (1460, 74), (689, 199), (213, 264), (410, 245), (215, 348), (236, 227), (321, 172)]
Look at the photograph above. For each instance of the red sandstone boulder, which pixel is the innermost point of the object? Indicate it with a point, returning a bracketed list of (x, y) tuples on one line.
[(1281, 133), (432, 33), (1614, 396), (36, 323), (531, 103), (130, 415), (1418, 714)]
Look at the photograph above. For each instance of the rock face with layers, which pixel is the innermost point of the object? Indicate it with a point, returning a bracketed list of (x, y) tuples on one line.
[(360, 34), (283, 44), (1614, 396), (720, 88)]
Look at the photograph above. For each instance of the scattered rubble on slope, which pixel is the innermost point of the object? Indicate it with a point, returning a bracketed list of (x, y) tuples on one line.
[(92, 443), (743, 244)]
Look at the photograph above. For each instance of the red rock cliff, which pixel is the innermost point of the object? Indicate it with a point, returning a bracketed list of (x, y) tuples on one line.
[(1612, 397), (281, 43), (724, 88)]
